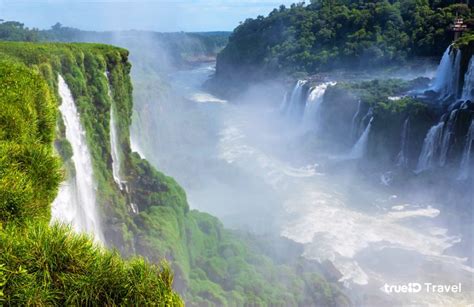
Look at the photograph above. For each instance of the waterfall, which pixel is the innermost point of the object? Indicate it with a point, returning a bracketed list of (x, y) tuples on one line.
[(354, 125), (466, 167), (430, 148), (402, 160), (361, 125), (284, 102), (312, 110), (359, 149), (468, 88), (76, 201), (294, 104), (114, 140), (446, 82), (446, 141)]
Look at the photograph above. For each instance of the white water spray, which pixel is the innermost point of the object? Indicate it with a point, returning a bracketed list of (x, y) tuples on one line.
[(466, 167), (402, 160), (446, 81), (114, 140), (359, 149), (295, 103), (312, 111), (468, 88), (354, 125), (76, 200), (430, 148), (447, 134)]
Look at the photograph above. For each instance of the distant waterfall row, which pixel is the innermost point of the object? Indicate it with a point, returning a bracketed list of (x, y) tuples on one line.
[(441, 139), (440, 142), (303, 104), (76, 201)]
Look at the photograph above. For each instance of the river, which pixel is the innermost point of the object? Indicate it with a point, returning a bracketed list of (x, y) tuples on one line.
[(243, 163)]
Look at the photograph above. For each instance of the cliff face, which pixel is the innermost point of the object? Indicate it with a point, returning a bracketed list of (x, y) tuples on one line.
[(48, 265), (144, 213), (402, 114)]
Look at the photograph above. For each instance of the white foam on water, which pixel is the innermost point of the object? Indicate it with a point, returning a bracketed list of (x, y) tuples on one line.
[(203, 97), (233, 148), (332, 231)]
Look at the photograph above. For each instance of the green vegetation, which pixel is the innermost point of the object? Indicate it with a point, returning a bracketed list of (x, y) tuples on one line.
[(46, 266), (16, 31), (83, 67), (327, 34), (174, 49), (212, 265), (377, 94), (42, 265), (29, 174)]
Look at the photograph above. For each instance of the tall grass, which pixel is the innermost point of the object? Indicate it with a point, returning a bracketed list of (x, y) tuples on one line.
[(44, 265)]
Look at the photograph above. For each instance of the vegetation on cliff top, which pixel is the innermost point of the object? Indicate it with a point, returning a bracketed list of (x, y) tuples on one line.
[(211, 264), (328, 34), (45, 265)]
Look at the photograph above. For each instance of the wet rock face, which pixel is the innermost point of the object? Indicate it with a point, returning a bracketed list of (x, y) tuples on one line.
[(338, 109)]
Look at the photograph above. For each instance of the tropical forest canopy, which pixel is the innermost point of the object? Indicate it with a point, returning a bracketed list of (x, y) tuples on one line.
[(326, 34)]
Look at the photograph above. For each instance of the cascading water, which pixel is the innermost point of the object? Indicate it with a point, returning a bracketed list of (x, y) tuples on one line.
[(114, 141), (430, 148), (446, 82), (402, 160), (284, 102), (359, 149), (362, 124), (312, 111), (447, 134), (466, 167), (468, 88), (76, 200), (355, 123), (294, 104)]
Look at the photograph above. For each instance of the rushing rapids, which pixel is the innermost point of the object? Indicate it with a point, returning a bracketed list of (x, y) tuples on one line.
[(76, 200)]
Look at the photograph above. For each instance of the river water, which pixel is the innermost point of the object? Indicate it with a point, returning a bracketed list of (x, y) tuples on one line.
[(246, 165)]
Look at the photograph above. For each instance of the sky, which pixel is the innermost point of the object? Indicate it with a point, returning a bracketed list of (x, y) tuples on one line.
[(157, 15)]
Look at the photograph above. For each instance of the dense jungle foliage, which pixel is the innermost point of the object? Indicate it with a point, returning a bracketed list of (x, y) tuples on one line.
[(179, 47), (39, 264), (211, 265), (327, 34)]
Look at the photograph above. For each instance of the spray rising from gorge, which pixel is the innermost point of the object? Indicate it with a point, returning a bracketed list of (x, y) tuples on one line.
[(298, 158)]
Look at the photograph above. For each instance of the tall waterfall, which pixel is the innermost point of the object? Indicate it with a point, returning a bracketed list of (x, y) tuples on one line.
[(468, 88), (430, 148), (76, 201), (466, 167), (402, 159), (114, 140), (446, 141), (294, 105), (446, 82), (355, 123), (359, 149), (312, 108)]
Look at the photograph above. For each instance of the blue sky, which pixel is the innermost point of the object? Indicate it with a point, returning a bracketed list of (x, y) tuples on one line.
[(158, 15)]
